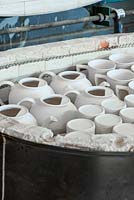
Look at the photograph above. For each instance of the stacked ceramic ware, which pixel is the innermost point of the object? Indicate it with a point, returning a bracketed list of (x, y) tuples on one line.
[(71, 103)]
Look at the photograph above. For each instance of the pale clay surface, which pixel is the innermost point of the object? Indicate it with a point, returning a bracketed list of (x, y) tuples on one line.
[(106, 142)]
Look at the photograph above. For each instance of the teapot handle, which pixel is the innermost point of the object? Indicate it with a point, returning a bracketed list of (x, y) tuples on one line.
[(101, 80), (72, 95), (9, 83), (27, 102), (122, 89), (81, 66), (45, 75)]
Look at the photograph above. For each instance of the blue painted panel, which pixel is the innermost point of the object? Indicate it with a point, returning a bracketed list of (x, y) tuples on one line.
[(89, 29)]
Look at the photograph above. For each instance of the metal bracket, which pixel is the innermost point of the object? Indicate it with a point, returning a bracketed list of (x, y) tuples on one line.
[(104, 12), (101, 11), (118, 26)]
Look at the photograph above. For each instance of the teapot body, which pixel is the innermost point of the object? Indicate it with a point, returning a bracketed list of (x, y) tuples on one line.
[(23, 90), (94, 95), (54, 116)]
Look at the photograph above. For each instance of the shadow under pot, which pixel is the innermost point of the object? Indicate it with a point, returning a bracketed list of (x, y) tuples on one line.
[(118, 79), (66, 81), (52, 112), (126, 90), (93, 95), (18, 113), (27, 87)]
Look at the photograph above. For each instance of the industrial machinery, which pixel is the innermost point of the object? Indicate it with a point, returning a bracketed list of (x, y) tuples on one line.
[(57, 26), (31, 171)]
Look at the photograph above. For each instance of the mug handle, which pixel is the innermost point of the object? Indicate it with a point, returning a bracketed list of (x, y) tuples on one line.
[(27, 102), (45, 75), (81, 66), (9, 83), (72, 95), (101, 80), (124, 89)]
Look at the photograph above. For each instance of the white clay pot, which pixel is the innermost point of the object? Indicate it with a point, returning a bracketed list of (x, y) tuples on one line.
[(66, 81), (27, 87), (93, 95), (52, 112), (18, 113)]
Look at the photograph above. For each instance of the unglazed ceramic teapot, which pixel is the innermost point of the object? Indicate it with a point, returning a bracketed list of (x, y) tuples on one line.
[(28, 87), (52, 112), (93, 95), (18, 113), (67, 80)]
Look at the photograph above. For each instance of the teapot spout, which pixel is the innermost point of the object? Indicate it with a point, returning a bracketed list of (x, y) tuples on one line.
[(72, 94), (49, 121)]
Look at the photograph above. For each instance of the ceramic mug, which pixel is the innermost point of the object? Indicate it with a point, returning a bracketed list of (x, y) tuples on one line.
[(97, 66), (18, 113), (118, 80), (27, 87), (105, 123), (113, 106), (122, 60), (127, 115), (91, 111), (81, 124), (125, 129), (77, 138), (129, 99)]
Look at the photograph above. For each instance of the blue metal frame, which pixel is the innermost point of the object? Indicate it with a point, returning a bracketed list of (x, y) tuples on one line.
[(112, 1)]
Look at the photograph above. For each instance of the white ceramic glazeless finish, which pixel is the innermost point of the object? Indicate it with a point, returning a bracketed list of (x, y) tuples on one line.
[(97, 66), (117, 77), (28, 87), (18, 113), (77, 138), (129, 99), (93, 95), (122, 60), (127, 115), (125, 89), (118, 80), (125, 129), (105, 123), (81, 125), (67, 81), (113, 106), (91, 111), (53, 112)]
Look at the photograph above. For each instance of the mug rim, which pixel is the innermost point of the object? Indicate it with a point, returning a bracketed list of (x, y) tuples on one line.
[(121, 80), (123, 54), (106, 125), (80, 109), (68, 125), (102, 60)]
